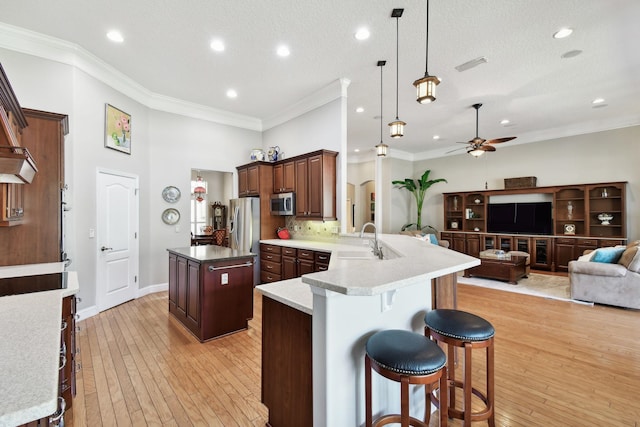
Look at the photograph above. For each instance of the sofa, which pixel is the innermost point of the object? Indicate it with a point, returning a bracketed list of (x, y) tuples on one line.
[(608, 276)]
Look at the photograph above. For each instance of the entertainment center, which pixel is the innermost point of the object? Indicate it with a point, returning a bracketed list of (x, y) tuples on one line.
[(554, 224)]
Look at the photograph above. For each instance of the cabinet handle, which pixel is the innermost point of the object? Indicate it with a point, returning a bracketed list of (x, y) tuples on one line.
[(63, 326), (57, 418), (269, 257), (269, 267), (322, 257), (63, 358), (78, 366), (247, 264)]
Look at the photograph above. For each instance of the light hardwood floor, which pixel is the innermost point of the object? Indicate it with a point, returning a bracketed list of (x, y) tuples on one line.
[(557, 364)]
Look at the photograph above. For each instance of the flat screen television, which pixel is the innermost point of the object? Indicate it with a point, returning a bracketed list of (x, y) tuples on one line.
[(520, 218)]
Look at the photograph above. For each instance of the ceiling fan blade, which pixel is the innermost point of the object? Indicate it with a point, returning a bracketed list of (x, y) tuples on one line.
[(487, 148), (457, 149), (500, 140)]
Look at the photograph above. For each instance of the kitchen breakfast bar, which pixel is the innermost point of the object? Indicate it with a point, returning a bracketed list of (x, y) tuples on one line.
[(358, 295)]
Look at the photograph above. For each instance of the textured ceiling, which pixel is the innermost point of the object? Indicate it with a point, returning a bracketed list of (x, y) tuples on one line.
[(525, 80)]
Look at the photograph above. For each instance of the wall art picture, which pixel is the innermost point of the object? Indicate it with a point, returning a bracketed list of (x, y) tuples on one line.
[(117, 129)]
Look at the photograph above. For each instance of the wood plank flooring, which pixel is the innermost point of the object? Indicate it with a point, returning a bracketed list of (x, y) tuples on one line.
[(557, 364)]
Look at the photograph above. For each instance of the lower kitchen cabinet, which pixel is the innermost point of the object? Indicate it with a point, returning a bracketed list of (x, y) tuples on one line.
[(283, 262), (287, 384), (212, 296)]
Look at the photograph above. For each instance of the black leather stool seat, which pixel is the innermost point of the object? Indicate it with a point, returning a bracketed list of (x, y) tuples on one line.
[(405, 352), (459, 325)]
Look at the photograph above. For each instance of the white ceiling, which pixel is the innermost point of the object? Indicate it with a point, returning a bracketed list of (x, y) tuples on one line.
[(166, 50)]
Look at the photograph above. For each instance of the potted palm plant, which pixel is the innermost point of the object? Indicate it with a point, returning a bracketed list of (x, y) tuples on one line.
[(418, 188)]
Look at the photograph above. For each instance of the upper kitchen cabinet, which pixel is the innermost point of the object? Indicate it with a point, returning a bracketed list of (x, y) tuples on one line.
[(39, 238), (316, 185), (256, 180), (249, 180), (284, 177)]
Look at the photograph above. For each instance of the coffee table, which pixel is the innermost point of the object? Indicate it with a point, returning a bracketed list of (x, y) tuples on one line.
[(509, 269)]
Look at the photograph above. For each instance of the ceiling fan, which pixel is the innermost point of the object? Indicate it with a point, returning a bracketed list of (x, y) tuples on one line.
[(477, 146)]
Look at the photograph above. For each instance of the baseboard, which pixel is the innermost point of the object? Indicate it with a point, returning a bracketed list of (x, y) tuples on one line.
[(85, 313)]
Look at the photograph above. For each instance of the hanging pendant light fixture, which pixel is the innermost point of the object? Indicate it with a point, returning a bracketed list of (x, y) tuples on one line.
[(199, 190), (396, 128), (381, 148), (426, 86)]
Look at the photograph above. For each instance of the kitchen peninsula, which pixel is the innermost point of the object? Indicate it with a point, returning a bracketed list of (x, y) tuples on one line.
[(357, 296)]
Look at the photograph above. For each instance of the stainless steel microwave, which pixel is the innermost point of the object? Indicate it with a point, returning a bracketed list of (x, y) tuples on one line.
[(283, 204)]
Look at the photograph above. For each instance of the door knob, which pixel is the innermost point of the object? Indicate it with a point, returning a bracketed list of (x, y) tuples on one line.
[(104, 248)]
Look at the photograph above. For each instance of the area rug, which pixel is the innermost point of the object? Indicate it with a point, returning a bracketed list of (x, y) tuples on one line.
[(540, 285)]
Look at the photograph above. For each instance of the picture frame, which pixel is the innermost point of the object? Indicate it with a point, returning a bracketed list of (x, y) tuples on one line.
[(117, 125)]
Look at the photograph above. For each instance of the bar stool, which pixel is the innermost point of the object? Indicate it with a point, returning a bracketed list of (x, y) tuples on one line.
[(408, 358), (461, 329)]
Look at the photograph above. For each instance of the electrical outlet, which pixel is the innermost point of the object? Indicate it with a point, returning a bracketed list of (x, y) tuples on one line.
[(92, 233), (177, 228)]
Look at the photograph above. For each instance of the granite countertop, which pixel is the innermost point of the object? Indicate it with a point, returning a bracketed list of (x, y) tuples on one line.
[(291, 292), (211, 253), (353, 270), (30, 349)]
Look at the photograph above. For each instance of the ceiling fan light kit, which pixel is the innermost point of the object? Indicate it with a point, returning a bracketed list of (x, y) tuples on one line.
[(426, 86)]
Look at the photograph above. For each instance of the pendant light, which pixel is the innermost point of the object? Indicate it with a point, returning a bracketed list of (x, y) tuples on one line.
[(396, 128), (199, 190), (426, 86), (381, 148)]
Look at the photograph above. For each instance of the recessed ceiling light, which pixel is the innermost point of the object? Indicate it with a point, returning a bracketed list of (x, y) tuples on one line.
[(115, 36), (359, 110), (504, 122), (357, 150), (571, 54), (283, 51), (436, 137), (562, 33), (362, 34), (217, 45), (598, 101), (232, 93)]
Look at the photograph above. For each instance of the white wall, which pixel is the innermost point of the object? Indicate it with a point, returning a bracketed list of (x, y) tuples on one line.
[(165, 147), (598, 157)]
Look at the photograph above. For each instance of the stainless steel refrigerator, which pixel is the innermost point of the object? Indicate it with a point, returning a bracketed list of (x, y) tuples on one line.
[(244, 229)]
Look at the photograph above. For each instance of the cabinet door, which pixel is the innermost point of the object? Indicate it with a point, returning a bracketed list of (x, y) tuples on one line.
[(173, 285), (564, 252), (181, 298), (302, 192), (253, 181), (289, 267), (305, 266), (278, 178), (315, 199), (458, 243), (193, 294), (505, 243), (541, 254), (289, 178), (243, 184), (473, 245)]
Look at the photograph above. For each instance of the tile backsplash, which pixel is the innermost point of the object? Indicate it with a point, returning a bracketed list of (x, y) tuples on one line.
[(312, 229)]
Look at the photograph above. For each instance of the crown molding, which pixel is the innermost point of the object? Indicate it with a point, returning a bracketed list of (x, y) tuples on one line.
[(35, 44)]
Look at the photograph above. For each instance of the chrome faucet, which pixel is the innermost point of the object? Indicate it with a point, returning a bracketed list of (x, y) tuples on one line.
[(376, 248)]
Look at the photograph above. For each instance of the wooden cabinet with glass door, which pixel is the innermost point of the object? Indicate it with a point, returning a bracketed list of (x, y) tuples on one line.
[(453, 210), (569, 211)]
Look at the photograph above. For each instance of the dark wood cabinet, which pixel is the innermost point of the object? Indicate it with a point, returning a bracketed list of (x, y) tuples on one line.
[(316, 186), (472, 243), (12, 204), (282, 262), (211, 298), (284, 177), (248, 181), (287, 373), (67, 378), (541, 253)]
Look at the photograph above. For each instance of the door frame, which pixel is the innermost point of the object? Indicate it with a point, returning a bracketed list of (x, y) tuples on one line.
[(135, 258)]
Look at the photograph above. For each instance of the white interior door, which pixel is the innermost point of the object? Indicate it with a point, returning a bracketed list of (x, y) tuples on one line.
[(117, 239)]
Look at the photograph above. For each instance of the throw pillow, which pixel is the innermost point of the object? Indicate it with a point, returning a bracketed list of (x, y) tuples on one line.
[(433, 239), (627, 256), (607, 255)]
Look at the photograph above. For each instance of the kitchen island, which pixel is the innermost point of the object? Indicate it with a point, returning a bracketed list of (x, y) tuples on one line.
[(211, 289), (357, 296), (30, 352)]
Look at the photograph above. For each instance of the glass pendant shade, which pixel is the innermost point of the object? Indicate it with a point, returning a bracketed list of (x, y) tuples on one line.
[(426, 89), (476, 152), (381, 149), (396, 128)]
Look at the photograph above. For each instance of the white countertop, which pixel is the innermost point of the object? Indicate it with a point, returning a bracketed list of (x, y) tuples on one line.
[(30, 349), (291, 292), (353, 270)]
